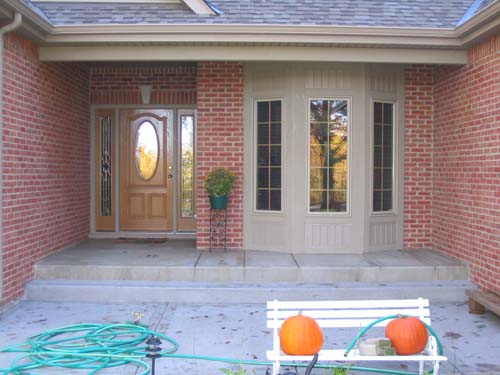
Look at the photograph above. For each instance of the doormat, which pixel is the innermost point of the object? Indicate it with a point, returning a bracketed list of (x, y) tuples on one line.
[(140, 240)]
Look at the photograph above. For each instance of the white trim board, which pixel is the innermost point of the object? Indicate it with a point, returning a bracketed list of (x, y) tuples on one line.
[(253, 53)]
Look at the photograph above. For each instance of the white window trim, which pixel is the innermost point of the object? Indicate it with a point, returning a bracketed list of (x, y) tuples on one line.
[(254, 159), (347, 213), (395, 156)]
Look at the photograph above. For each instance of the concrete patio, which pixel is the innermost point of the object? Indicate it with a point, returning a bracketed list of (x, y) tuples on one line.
[(471, 342)]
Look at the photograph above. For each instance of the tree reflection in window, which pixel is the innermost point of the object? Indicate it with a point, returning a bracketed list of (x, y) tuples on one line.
[(146, 150), (328, 173), (187, 165)]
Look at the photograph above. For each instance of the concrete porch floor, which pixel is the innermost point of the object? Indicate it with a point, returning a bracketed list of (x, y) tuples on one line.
[(175, 271), (179, 260)]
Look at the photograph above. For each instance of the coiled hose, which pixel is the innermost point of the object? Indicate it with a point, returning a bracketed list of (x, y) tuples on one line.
[(96, 347)]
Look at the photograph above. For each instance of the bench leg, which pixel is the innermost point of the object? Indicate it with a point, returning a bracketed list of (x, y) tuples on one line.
[(276, 367), (436, 368), (421, 368)]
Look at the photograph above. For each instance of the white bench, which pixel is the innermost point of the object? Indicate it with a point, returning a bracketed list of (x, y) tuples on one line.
[(353, 314)]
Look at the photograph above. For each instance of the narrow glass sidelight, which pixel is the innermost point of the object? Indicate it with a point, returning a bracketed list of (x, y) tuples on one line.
[(383, 156), (187, 165), (268, 155), (106, 165), (146, 150), (328, 155)]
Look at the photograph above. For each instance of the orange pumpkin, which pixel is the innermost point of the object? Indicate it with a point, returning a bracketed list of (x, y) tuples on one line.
[(301, 335), (408, 335)]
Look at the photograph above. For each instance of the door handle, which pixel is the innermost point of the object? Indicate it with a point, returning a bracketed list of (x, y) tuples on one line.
[(170, 175)]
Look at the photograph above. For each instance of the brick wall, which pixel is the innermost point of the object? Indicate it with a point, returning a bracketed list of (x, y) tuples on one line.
[(466, 200), (118, 83), (46, 195), (418, 151), (220, 142)]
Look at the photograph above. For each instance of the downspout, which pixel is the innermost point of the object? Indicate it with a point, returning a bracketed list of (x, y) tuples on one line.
[(16, 22)]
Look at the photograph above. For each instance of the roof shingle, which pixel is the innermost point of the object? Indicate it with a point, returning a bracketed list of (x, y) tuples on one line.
[(384, 13)]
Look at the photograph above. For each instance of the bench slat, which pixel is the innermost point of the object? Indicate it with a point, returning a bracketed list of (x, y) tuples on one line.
[(369, 304), (338, 355), (347, 314), (341, 323)]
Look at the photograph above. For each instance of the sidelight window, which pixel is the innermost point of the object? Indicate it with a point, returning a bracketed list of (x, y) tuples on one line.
[(269, 151), (383, 156)]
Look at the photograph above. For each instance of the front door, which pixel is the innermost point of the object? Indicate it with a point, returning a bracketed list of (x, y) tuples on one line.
[(146, 171)]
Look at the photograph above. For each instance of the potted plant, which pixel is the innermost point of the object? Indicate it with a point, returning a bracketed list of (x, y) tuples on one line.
[(219, 183)]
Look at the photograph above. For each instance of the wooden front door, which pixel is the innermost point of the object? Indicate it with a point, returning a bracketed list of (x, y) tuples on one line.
[(146, 171)]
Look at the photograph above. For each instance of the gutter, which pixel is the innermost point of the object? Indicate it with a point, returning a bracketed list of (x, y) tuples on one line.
[(249, 33), (16, 22), (482, 24)]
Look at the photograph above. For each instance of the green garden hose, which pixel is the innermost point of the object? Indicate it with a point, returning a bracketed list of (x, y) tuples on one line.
[(96, 347)]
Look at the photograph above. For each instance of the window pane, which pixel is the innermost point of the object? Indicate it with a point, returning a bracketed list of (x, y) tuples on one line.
[(276, 156), (275, 200), (388, 114), (387, 204), (319, 110), (318, 155), (337, 201), (187, 165), (377, 114), (387, 137), (317, 176), (276, 134), (377, 135), (263, 156), (328, 148), (377, 201), (262, 199), (275, 178), (262, 134), (276, 111), (383, 161), (319, 133), (318, 201), (263, 112), (268, 173), (263, 177), (377, 178), (387, 178)]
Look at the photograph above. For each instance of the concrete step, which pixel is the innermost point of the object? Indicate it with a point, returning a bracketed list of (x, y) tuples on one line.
[(113, 291), (248, 266)]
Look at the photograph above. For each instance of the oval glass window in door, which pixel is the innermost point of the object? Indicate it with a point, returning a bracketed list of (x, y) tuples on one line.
[(146, 150)]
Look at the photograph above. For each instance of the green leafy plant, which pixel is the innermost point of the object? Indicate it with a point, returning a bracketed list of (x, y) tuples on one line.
[(219, 181), (227, 371), (341, 370)]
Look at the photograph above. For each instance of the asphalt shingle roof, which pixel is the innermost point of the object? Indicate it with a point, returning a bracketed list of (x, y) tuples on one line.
[(385, 13)]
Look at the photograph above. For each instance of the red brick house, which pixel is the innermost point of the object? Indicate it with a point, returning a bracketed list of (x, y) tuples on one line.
[(351, 126)]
